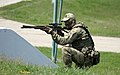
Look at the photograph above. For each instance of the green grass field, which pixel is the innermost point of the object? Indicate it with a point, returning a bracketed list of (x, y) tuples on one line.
[(101, 16), (109, 65)]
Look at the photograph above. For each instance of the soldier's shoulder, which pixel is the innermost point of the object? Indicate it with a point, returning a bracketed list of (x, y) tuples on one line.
[(80, 24)]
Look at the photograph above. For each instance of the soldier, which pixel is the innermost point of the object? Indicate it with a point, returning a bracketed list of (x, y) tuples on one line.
[(78, 46)]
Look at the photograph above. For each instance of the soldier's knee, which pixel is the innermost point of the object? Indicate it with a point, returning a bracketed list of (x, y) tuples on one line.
[(67, 60), (65, 50)]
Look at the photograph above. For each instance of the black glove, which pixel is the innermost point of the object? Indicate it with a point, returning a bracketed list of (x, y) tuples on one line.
[(59, 32), (48, 30)]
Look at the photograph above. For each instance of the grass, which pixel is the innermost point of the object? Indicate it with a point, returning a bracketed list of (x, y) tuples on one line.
[(101, 16), (109, 65)]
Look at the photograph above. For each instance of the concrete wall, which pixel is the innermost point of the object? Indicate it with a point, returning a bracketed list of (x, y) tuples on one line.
[(13, 46)]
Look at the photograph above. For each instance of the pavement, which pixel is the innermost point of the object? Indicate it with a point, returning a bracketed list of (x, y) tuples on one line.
[(41, 39), (8, 2)]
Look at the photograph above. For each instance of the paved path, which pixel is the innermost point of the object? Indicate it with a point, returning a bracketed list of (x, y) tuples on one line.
[(40, 38), (8, 2)]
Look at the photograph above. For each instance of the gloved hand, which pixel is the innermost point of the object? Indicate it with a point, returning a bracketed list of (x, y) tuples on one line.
[(48, 30), (59, 32)]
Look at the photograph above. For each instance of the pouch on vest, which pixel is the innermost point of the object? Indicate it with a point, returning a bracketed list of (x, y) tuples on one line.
[(96, 57)]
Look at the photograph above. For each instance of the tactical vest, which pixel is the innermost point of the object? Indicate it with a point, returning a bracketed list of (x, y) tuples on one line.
[(84, 40), (95, 55)]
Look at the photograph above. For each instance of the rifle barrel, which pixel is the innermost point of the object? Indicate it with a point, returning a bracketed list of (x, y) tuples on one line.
[(42, 27)]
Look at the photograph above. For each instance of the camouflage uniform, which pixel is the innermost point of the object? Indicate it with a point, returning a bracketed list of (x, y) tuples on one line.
[(76, 44)]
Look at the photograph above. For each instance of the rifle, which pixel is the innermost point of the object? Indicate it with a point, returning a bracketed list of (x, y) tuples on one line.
[(42, 27), (58, 28)]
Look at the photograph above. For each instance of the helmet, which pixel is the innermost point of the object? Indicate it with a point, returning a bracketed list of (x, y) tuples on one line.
[(68, 16)]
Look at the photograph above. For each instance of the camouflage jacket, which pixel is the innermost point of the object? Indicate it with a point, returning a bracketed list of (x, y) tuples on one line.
[(76, 38)]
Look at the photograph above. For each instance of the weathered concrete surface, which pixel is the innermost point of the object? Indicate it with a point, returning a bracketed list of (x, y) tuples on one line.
[(14, 47)]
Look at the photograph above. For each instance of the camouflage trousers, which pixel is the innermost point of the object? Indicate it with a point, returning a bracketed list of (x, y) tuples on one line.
[(73, 55)]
